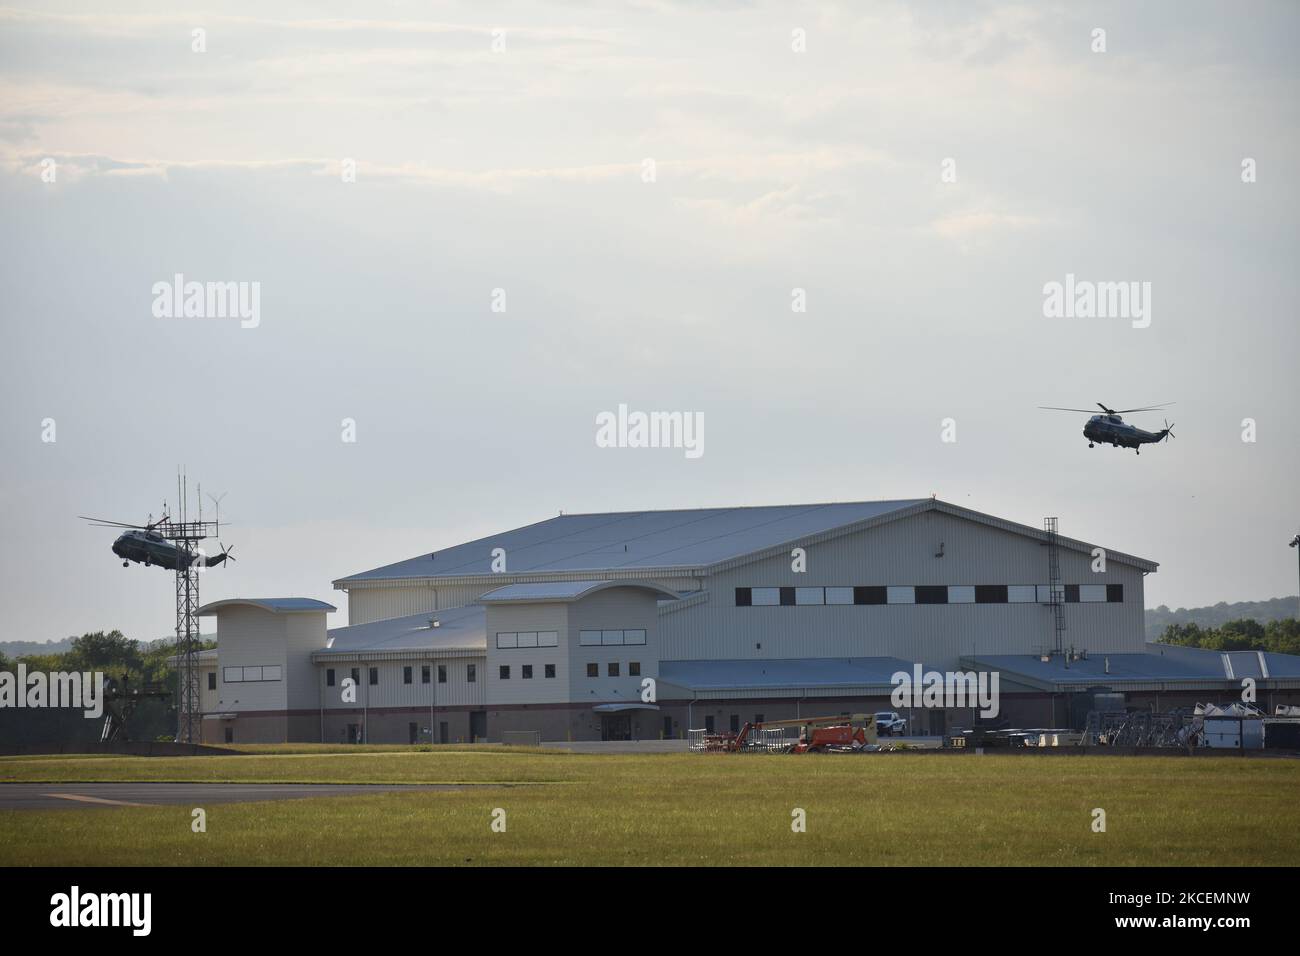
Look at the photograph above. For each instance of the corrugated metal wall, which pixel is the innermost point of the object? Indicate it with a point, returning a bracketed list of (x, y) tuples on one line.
[(904, 553), (392, 692)]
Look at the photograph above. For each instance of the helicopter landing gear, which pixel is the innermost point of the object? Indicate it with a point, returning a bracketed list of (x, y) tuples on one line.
[(126, 564), (1089, 444), (1137, 451)]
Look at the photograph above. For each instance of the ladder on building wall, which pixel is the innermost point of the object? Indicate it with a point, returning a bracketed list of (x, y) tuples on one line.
[(1055, 590)]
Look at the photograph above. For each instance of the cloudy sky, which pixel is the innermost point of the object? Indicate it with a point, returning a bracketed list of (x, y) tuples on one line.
[(648, 182)]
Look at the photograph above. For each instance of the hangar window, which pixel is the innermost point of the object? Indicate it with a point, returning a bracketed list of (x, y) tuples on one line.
[(990, 594), (548, 638), (634, 637), (787, 597), (424, 673), (611, 638), (407, 675), (961, 594), (527, 638), (550, 670), (329, 677), (1022, 594), (1115, 593), (766, 597), (613, 668), (1092, 593), (1072, 594), (374, 677), (901, 595), (471, 674), (871, 595), (931, 594), (356, 676), (507, 639), (527, 672), (839, 595), (633, 668), (809, 596), (589, 638), (743, 598), (442, 673), (245, 675), (504, 672), (212, 680), (593, 670)]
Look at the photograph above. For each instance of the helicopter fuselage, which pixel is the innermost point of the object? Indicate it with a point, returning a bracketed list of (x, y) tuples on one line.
[(150, 548), (1113, 430)]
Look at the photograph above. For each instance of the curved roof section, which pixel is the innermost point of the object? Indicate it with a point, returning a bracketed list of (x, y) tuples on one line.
[(459, 628), (554, 591), (632, 540), (275, 605)]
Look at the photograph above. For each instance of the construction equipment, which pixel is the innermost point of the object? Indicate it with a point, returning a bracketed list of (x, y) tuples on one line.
[(842, 734)]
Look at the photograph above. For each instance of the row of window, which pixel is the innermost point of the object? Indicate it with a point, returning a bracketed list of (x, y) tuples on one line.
[(612, 669), (508, 639), (525, 671), (930, 594), (610, 638), (408, 675), (245, 675)]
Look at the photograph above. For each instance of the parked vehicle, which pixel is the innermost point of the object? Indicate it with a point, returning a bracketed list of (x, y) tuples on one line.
[(888, 722)]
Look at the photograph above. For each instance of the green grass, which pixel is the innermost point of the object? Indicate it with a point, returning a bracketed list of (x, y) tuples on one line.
[(669, 809)]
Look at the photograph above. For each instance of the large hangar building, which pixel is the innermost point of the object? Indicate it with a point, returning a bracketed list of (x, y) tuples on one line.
[(732, 613)]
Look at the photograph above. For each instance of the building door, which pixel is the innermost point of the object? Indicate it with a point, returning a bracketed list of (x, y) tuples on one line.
[(477, 725), (444, 736), (354, 733), (413, 731), (668, 728), (615, 727)]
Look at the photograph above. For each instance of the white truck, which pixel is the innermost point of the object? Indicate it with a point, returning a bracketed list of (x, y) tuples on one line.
[(889, 723)]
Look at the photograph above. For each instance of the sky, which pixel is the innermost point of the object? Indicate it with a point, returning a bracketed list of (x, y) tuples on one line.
[(475, 227)]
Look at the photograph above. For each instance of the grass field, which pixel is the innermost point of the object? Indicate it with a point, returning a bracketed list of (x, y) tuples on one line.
[(674, 809)]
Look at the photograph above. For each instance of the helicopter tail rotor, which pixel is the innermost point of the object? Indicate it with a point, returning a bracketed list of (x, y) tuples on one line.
[(1169, 431)]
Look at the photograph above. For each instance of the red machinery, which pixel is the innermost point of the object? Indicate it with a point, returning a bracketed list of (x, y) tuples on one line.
[(816, 735)]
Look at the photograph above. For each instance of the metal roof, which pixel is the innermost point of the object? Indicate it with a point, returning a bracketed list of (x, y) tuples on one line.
[(276, 605), (460, 628), (635, 539), (705, 539), (783, 674), (1162, 665), (552, 591)]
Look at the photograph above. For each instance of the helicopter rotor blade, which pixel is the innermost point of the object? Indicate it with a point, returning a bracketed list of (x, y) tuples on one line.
[(1055, 408), (106, 523), (1147, 408)]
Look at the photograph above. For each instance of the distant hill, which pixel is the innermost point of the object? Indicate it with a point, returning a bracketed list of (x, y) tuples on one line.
[(13, 649), (16, 649), (1275, 609)]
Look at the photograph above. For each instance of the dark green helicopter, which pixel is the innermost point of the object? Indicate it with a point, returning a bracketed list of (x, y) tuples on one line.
[(145, 544), (1109, 428)]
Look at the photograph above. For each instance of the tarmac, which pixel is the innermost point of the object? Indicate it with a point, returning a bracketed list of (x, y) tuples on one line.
[(53, 796)]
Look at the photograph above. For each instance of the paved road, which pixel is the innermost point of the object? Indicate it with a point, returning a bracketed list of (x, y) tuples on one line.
[(49, 796)]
